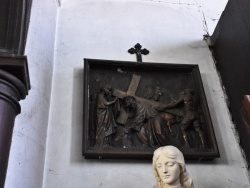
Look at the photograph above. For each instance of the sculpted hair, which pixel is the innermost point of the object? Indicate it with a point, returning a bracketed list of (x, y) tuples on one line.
[(172, 153), (106, 87), (131, 100)]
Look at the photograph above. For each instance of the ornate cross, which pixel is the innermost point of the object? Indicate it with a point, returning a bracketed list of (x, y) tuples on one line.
[(138, 52)]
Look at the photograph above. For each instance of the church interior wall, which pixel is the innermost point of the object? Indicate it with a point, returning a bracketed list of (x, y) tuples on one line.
[(47, 140), (173, 32)]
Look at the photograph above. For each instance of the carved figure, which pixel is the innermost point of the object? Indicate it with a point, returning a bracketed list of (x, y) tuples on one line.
[(147, 123), (153, 93), (169, 121), (105, 120), (189, 114), (169, 168)]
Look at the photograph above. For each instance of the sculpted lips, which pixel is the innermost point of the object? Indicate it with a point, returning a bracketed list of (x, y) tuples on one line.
[(166, 176)]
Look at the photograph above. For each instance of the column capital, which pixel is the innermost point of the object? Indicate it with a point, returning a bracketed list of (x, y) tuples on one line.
[(17, 66)]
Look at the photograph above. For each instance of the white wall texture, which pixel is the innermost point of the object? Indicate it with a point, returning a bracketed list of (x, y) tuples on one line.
[(26, 162), (100, 29), (171, 29)]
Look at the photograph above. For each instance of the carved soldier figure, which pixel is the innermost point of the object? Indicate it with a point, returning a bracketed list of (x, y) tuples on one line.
[(105, 120), (189, 114)]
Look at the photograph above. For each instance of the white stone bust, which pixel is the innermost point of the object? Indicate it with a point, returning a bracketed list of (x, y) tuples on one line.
[(169, 168)]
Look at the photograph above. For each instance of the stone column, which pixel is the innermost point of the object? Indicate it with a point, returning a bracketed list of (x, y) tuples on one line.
[(12, 90), (14, 75)]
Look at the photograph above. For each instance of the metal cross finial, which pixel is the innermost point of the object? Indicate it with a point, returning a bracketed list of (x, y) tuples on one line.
[(138, 52)]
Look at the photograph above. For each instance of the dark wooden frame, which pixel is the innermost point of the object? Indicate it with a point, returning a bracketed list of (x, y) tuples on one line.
[(191, 153)]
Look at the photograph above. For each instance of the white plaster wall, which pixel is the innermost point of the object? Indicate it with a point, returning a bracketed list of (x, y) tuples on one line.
[(27, 153), (172, 31)]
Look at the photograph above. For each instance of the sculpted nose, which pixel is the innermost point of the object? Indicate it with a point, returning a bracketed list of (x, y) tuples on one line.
[(164, 169)]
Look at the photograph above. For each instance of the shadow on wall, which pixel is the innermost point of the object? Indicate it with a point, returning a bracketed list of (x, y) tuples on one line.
[(218, 124), (77, 118), (177, 52)]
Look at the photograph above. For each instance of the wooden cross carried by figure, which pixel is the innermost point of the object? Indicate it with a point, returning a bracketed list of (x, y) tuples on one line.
[(123, 116)]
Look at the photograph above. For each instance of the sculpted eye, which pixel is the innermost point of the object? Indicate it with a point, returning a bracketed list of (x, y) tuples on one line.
[(159, 166), (170, 164)]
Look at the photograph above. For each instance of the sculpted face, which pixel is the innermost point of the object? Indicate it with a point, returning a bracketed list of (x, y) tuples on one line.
[(168, 170), (188, 103), (127, 103), (107, 90), (157, 94)]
